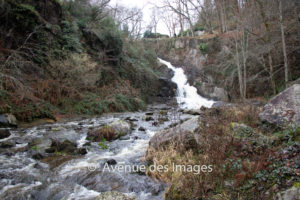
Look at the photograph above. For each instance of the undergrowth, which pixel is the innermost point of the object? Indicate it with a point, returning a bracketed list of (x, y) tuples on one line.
[(248, 163)]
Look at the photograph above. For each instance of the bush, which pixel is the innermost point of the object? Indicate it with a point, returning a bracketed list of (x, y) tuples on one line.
[(203, 47), (198, 27), (70, 36)]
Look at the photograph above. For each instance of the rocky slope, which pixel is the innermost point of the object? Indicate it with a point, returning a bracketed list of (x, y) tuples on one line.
[(59, 58), (210, 63), (250, 159)]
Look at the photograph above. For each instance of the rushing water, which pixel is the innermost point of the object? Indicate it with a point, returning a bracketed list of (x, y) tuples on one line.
[(80, 177), (187, 96)]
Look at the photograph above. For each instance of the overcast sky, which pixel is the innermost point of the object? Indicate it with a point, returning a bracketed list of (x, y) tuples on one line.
[(147, 5)]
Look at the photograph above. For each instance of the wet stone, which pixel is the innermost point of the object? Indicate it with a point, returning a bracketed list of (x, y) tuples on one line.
[(4, 133), (142, 129), (111, 162)]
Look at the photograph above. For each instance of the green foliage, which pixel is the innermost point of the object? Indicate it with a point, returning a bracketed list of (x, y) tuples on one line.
[(126, 103), (288, 136), (70, 36), (187, 32), (203, 47), (111, 38), (31, 111), (83, 12), (149, 34), (198, 27), (102, 144), (89, 104), (24, 16), (35, 148), (92, 104)]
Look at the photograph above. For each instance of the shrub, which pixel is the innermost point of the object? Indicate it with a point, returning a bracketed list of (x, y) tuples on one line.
[(70, 36), (198, 27), (203, 47)]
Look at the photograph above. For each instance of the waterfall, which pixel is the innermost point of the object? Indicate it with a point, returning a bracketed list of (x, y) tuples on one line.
[(187, 96)]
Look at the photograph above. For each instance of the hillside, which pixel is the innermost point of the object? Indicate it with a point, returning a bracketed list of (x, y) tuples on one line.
[(70, 57)]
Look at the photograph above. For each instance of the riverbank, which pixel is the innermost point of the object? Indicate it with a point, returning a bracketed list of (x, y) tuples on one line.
[(253, 150)]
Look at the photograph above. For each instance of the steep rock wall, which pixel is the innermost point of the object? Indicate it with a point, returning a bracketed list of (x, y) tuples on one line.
[(192, 54)]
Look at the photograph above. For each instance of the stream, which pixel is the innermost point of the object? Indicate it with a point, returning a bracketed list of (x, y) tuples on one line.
[(83, 176)]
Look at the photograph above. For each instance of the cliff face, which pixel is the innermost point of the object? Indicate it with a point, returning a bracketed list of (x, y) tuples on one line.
[(211, 61), (192, 54)]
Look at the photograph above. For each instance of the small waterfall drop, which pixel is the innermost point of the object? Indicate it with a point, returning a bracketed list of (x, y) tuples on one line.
[(187, 96)]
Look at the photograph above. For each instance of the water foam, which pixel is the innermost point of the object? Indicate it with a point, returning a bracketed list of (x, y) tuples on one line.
[(187, 96)]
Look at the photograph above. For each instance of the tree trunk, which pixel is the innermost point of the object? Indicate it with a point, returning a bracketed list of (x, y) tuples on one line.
[(286, 73), (272, 73), (244, 54), (239, 69)]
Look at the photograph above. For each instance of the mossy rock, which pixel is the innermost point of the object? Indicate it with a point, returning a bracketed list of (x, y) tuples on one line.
[(110, 132)]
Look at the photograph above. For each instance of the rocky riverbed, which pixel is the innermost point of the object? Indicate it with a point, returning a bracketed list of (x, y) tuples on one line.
[(62, 161)]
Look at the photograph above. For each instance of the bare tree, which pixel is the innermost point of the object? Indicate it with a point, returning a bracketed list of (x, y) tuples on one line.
[(154, 19), (131, 18), (182, 10), (286, 75)]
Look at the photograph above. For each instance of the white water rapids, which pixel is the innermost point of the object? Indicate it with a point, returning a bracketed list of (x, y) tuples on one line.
[(187, 96)]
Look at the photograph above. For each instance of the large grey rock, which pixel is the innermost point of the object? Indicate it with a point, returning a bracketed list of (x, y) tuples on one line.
[(4, 133), (290, 194), (210, 91), (121, 127), (113, 195), (183, 133), (8, 120), (283, 108), (165, 71), (167, 88)]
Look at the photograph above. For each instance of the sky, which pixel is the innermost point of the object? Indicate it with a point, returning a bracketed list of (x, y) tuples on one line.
[(147, 5)]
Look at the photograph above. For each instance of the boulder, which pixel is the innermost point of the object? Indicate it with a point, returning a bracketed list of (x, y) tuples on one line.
[(111, 162), (142, 129), (290, 194), (65, 147), (212, 92), (122, 127), (283, 109), (165, 71), (148, 118), (4, 133), (113, 195), (183, 133), (167, 88), (8, 120), (110, 132)]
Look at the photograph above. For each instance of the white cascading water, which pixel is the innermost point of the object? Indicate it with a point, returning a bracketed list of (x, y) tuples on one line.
[(187, 96)]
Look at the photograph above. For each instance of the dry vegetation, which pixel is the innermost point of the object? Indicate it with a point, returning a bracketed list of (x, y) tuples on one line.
[(69, 57), (237, 152)]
